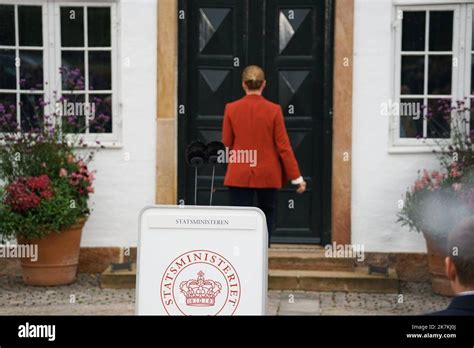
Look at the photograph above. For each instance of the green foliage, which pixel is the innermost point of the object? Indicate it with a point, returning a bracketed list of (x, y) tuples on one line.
[(435, 212), (52, 215), (25, 159), (440, 199), (46, 148)]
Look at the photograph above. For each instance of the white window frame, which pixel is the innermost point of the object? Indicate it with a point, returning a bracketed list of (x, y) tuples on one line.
[(469, 50), (52, 61), (458, 83)]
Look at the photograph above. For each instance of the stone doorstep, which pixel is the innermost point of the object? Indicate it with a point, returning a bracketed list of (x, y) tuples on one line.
[(297, 247), (121, 279), (306, 257), (411, 267), (353, 281), (307, 260)]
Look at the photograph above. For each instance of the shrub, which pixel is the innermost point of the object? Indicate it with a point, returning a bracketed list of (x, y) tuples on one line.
[(44, 169)]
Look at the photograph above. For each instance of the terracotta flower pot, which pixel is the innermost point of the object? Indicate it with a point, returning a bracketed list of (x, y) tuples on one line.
[(58, 257), (437, 252)]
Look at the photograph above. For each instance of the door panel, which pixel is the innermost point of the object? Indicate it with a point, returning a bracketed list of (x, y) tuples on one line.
[(215, 37), (294, 65), (286, 38)]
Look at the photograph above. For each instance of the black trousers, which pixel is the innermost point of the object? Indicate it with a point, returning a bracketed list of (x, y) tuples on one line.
[(266, 200)]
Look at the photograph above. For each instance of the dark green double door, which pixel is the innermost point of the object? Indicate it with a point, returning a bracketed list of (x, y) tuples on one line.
[(291, 40)]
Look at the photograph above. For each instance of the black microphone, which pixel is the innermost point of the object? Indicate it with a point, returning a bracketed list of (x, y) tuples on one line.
[(196, 156), (213, 149)]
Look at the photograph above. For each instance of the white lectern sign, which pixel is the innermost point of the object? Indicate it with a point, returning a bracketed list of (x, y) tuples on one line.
[(197, 260)]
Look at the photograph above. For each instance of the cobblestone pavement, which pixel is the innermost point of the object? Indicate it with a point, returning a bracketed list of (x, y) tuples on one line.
[(87, 298)]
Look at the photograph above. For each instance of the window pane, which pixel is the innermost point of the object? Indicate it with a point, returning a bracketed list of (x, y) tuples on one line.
[(413, 71), (7, 25), (73, 72), (100, 77), (72, 27), (98, 25), (31, 111), (413, 31), (441, 30), (439, 118), (102, 121), (30, 25), (31, 70), (73, 113), (439, 74), (7, 69), (7, 112), (411, 118)]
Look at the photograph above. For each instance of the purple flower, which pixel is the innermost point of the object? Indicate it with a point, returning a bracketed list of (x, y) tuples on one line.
[(63, 70), (72, 121)]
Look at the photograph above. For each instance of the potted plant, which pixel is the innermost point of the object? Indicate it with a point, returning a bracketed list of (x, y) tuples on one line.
[(440, 199), (46, 186)]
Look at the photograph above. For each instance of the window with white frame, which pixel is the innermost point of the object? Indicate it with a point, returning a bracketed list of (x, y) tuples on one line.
[(469, 78), (63, 53), (433, 45)]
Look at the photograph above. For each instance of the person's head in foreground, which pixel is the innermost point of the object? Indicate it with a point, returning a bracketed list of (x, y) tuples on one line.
[(253, 80), (460, 269), (460, 260)]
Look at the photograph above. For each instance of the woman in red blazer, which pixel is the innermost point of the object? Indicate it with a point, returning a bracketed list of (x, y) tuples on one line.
[(261, 159)]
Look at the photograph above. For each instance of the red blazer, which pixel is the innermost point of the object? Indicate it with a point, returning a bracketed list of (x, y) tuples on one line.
[(254, 123)]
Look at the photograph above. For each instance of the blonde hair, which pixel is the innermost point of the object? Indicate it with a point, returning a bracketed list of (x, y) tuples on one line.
[(253, 77)]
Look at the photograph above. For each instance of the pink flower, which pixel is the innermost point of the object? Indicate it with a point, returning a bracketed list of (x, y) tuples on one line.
[(455, 173), (74, 180), (426, 178), (92, 175), (419, 185), (63, 173)]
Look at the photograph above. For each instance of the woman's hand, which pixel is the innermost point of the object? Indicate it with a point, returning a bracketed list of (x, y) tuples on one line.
[(301, 187)]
